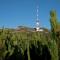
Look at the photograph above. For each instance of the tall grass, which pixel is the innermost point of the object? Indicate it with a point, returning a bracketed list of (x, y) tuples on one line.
[(18, 43)]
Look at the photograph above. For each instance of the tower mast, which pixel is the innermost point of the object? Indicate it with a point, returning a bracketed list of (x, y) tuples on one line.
[(37, 21)]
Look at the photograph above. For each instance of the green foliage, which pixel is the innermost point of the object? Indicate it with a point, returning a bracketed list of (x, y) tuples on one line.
[(24, 41), (55, 30), (53, 22)]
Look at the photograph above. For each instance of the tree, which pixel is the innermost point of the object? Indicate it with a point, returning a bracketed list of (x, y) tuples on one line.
[(53, 22)]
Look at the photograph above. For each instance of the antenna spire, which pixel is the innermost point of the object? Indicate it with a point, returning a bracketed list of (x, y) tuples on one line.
[(37, 12), (37, 20)]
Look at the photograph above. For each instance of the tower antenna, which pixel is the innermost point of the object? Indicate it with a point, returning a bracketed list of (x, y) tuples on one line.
[(37, 20), (37, 13)]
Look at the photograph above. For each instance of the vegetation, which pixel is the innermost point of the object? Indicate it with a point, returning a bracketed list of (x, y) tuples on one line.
[(30, 45)]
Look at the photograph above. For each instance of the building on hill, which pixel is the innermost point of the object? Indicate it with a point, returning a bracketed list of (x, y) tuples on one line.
[(28, 29)]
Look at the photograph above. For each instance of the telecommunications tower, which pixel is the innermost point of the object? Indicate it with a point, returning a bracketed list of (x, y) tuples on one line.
[(37, 21)]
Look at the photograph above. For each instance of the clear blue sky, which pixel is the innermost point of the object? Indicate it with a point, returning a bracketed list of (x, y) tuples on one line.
[(14, 13)]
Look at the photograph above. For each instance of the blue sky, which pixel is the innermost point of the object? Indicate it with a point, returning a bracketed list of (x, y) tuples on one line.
[(15, 13)]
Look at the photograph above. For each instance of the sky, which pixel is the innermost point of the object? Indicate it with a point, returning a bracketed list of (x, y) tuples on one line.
[(15, 13)]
